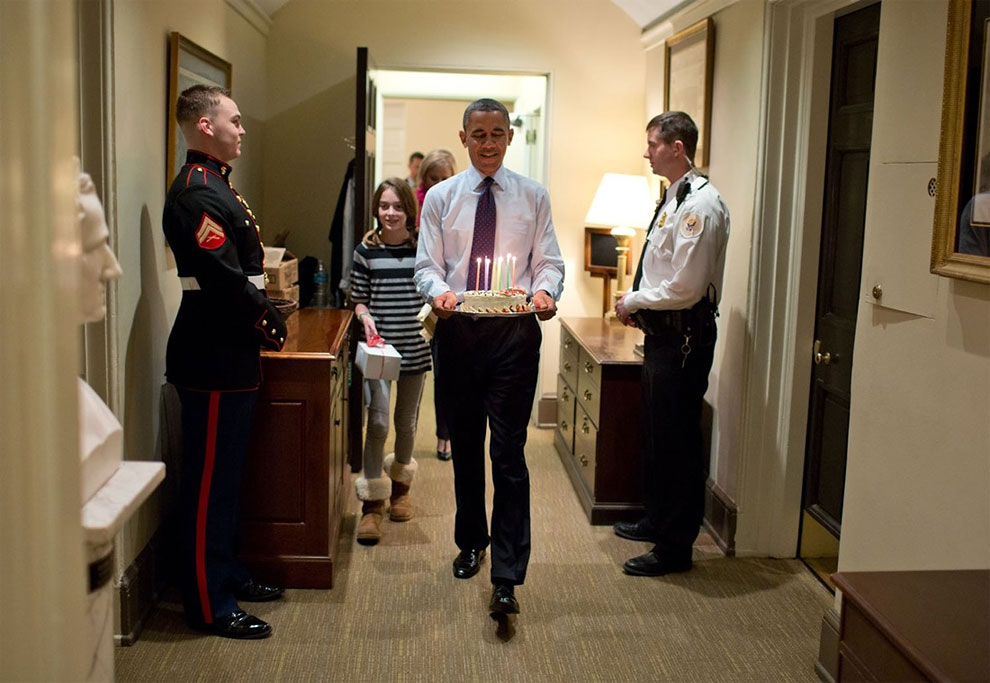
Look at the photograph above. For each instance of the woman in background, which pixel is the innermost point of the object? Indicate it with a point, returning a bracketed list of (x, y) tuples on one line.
[(437, 166), (386, 303)]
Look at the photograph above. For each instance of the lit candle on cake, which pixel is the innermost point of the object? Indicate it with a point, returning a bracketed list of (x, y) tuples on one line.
[(498, 274), (488, 262), (513, 272), (477, 274)]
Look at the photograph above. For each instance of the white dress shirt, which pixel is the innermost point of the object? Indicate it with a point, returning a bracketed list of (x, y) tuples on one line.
[(523, 228), (687, 252)]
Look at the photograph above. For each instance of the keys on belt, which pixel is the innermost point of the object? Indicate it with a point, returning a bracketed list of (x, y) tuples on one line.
[(192, 284)]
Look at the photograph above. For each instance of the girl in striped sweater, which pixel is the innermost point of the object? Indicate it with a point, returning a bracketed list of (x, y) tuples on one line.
[(386, 303)]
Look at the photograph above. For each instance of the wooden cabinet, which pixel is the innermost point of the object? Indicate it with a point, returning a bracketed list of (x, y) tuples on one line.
[(295, 479), (598, 416), (914, 626)]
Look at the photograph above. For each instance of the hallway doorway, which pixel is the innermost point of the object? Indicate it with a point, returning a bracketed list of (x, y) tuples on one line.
[(421, 110), (850, 124)]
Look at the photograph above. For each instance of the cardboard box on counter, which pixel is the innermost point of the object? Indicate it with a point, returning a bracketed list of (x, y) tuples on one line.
[(281, 268), (291, 293), (378, 362)]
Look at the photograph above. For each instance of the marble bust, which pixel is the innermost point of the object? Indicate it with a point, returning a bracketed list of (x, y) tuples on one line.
[(100, 435)]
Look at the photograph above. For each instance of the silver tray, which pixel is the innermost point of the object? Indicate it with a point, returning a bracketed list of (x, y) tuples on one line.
[(513, 314)]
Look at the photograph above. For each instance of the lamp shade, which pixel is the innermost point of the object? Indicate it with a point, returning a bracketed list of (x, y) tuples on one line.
[(621, 200)]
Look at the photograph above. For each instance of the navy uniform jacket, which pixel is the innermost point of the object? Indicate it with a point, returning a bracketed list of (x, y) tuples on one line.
[(221, 326)]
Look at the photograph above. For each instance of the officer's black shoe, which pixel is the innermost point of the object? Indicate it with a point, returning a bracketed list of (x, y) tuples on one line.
[(444, 455), (239, 625), (467, 563), (635, 531), (651, 564), (503, 601), (252, 591)]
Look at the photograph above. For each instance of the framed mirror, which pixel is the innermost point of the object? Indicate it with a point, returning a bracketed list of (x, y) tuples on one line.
[(961, 231), (188, 64)]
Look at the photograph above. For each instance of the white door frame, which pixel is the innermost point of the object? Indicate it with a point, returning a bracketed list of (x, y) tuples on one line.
[(784, 272)]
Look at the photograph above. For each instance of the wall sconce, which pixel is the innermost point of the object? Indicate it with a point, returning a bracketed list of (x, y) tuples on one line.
[(622, 203)]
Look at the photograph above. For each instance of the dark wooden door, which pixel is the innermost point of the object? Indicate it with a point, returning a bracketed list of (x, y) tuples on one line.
[(365, 112), (854, 60)]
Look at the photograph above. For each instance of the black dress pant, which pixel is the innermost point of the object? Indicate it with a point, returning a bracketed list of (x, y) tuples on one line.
[(674, 385), (490, 367), (216, 432)]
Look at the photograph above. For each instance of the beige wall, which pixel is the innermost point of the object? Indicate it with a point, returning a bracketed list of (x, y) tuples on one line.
[(596, 104), (918, 474), (149, 291), (733, 168), (434, 124)]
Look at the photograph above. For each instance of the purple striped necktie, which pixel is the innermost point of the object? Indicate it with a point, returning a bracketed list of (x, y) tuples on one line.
[(483, 244)]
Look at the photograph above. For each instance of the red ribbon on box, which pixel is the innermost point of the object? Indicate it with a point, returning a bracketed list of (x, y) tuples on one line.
[(376, 340)]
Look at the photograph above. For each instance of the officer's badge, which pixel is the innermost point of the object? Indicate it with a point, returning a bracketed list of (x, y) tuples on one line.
[(209, 234), (691, 226), (662, 219)]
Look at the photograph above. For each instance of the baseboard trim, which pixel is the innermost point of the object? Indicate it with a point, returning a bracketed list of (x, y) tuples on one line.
[(827, 666), (140, 587), (720, 518), (546, 411)]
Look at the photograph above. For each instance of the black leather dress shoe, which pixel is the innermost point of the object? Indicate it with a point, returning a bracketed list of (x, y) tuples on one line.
[(634, 531), (651, 564), (252, 591), (467, 563), (239, 625), (503, 601)]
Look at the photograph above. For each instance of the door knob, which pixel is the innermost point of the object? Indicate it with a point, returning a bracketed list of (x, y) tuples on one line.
[(823, 358)]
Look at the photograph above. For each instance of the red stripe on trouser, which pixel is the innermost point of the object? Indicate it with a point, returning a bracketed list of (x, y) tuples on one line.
[(204, 503)]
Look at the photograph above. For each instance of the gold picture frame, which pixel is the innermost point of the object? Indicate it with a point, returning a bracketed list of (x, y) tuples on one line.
[(188, 64), (688, 67), (961, 229)]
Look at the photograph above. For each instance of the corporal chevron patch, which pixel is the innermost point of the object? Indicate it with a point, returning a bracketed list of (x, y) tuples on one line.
[(210, 234)]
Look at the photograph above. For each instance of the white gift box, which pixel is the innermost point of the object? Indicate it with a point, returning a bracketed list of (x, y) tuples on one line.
[(378, 362)]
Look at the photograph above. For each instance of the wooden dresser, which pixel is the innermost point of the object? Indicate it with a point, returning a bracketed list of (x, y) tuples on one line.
[(914, 626), (598, 423), (295, 481)]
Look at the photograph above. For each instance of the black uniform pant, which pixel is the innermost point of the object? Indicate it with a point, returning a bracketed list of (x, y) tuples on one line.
[(674, 385), (216, 432), (490, 368)]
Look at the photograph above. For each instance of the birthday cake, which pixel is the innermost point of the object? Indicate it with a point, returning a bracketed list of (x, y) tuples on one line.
[(511, 300)]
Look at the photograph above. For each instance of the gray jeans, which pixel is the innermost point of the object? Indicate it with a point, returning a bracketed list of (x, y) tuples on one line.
[(409, 391)]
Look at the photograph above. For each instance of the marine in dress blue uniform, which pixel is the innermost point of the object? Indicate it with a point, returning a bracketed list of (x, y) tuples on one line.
[(213, 359), (674, 301)]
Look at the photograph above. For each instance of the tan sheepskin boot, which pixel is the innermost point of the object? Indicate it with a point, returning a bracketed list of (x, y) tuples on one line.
[(372, 493), (401, 507)]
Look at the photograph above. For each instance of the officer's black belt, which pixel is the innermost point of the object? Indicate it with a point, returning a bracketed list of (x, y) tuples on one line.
[(679, 321)]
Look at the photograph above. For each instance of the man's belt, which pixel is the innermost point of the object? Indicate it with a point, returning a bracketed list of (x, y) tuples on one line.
[(658, 322), (192, 284)]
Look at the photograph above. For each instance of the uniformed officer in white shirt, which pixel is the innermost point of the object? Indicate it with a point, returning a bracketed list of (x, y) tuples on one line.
[(674, 301)]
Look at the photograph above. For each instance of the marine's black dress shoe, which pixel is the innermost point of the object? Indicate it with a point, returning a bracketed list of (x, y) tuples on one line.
[(252, 591), (634, 531), (651, 564), (467, 563), (503, 601), (239, 625)]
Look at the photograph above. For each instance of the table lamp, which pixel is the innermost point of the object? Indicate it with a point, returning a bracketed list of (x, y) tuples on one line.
[(623, 203)]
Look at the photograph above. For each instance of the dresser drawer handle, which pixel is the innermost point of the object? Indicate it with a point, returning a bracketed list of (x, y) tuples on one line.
[(565, 397), (584, 426), (563, 425), (567, 366), (587, 395), (584, 460), (567, 344), (588, 367)]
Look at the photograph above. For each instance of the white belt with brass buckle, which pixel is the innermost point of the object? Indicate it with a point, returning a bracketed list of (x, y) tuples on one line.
[(192, 284)]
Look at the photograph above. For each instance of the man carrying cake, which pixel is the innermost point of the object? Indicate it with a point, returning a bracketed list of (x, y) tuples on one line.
[(490, 362)]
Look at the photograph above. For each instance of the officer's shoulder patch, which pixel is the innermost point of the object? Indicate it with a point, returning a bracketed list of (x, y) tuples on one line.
[(691, 225), (210, 234)]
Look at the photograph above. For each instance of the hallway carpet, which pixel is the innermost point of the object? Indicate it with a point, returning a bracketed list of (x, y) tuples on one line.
[(396, 612)]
